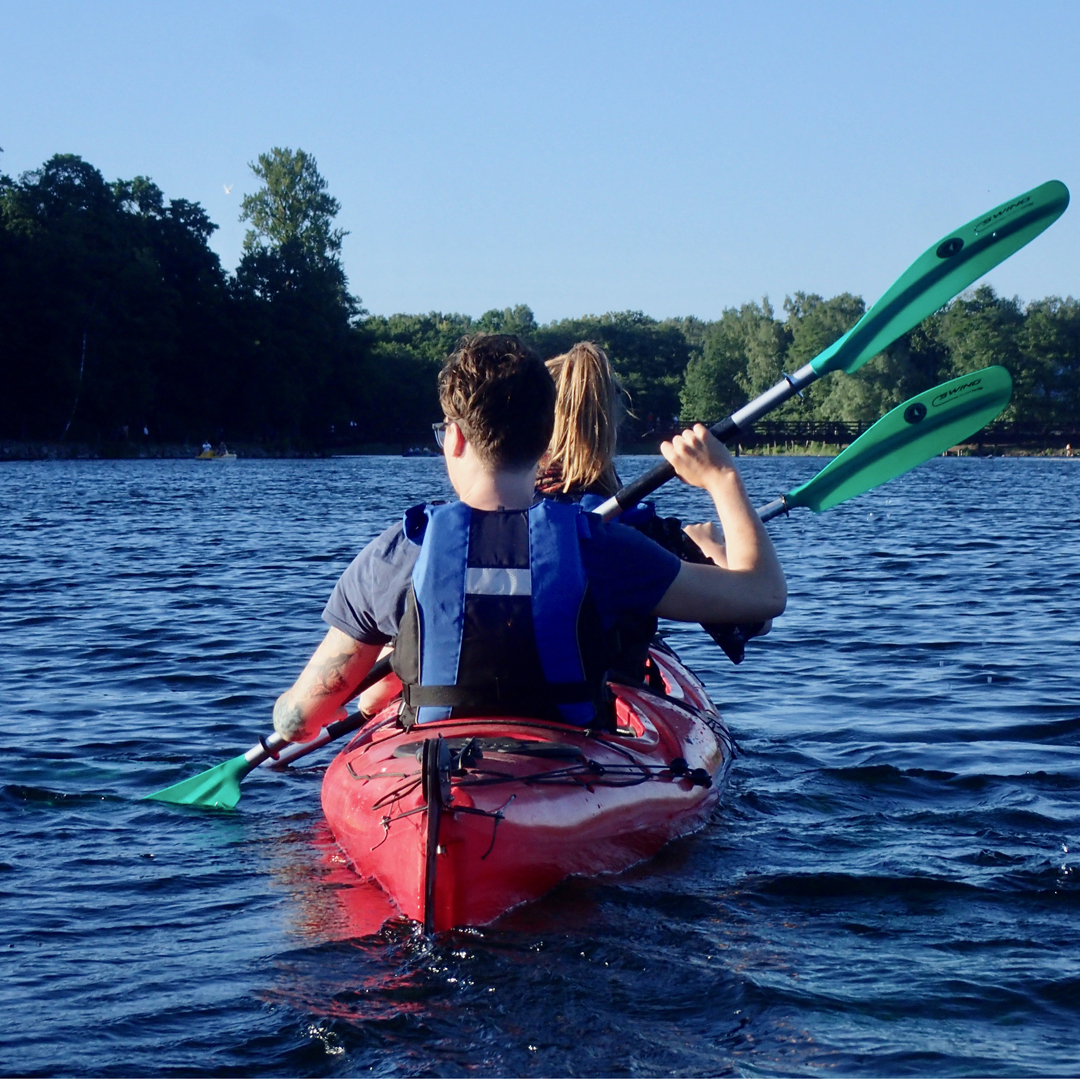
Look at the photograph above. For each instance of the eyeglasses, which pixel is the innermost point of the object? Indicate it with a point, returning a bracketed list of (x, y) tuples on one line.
[(440, 432)]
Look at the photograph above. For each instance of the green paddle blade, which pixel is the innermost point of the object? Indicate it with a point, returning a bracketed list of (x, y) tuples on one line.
[(944, 271), (219, 786), (923, 427)]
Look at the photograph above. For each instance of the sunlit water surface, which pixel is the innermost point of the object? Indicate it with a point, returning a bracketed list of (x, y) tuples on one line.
[(889, 886)]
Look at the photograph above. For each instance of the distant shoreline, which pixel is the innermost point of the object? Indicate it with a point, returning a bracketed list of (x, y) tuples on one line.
[(41, 450), (38, 450)]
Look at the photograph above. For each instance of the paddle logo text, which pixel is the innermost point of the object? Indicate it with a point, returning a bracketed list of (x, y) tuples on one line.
[(993, 220), (970, 387)]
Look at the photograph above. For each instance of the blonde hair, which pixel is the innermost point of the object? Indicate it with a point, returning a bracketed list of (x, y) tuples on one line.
[(588, 408)]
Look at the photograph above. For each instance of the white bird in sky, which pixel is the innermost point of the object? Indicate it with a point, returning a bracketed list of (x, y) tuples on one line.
[(228, 188)]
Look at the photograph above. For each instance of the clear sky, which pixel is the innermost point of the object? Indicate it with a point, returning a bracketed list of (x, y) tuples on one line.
[(675, 158)]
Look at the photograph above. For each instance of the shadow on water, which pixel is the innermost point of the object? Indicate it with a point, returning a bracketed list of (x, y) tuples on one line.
[(889, 886)]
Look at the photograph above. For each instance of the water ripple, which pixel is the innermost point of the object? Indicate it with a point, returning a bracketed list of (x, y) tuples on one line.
[(889, 886)]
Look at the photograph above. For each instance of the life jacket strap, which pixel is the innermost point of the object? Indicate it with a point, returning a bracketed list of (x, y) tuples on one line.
[(492, 694)]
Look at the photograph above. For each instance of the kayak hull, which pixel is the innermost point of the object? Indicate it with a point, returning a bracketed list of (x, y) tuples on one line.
[(461, 820)]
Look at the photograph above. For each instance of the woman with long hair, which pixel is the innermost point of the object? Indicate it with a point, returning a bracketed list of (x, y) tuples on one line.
[(590, 403), (589, 406)]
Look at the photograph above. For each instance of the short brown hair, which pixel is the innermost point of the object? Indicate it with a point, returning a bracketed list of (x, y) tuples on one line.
[(498, 391)]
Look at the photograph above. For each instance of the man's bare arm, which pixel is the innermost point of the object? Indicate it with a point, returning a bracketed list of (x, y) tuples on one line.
[(328, 681), (710, 594), (751, 587)]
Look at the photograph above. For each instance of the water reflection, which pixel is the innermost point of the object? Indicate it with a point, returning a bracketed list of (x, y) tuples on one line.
[(327, 900)]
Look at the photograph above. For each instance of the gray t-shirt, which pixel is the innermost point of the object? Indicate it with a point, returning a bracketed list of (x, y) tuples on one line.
[(627, 575)]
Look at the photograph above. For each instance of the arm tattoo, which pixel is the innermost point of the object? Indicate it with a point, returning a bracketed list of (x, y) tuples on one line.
[(288, 719), (330, 678)]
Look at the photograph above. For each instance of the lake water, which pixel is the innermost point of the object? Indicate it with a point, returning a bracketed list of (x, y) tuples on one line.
[(889, 886)]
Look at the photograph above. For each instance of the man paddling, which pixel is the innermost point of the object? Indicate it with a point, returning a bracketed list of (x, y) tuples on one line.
[(505, 604)]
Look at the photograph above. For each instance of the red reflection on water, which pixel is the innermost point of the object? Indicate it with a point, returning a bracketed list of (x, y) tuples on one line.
[(361, 906), (332, 907), (330, 902)]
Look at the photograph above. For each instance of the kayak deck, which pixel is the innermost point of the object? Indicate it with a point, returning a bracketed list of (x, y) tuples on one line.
[(461, 820)]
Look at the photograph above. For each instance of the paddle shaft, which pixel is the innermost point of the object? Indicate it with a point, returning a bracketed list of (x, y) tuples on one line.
[(725, 431), (263, 750), (328, 734), (773, 509)]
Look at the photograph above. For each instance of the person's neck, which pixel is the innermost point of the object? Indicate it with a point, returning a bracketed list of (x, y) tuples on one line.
[(498, 489)]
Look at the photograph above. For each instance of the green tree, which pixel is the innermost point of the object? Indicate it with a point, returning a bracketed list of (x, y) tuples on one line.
[(1039, 345), (193, 372), (913, 363), (517, 320), (814, 324), (293, 207), (401, 367), (430, 338), (1049, 343), (742, 354), (692, 329), (65, 236), (982, 328), (301, 361), (107, 296)]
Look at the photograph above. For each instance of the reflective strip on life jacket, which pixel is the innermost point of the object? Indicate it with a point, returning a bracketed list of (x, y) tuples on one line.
[(496, 581)]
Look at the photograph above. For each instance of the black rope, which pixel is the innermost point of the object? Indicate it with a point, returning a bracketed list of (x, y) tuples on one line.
[(398, 793), (497, 815), (373, 776)]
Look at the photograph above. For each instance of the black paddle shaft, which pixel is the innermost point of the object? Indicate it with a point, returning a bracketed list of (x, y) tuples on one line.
[(631, 494)]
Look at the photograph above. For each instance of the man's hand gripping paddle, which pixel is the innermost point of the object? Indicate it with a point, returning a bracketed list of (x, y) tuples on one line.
[(939, 274)]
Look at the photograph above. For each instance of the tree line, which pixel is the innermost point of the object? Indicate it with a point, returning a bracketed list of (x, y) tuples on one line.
[(118, 321)]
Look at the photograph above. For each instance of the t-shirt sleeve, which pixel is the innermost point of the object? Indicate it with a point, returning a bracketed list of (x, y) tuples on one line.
[(628, 573), (369, 599)]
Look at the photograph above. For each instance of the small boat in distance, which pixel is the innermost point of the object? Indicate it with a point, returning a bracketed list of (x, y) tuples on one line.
[(222, 453)]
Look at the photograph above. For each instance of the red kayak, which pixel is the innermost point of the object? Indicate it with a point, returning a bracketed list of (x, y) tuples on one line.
[(461, 820)]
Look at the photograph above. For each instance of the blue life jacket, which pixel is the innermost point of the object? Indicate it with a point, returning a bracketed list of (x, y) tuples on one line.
[(497, 619)]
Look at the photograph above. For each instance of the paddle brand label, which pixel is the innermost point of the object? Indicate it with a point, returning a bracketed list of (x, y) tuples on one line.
[(993, 220), (969, 387)]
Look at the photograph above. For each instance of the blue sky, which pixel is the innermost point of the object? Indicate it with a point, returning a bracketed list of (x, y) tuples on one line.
[(676, 158)]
